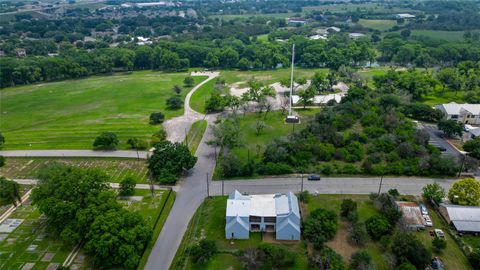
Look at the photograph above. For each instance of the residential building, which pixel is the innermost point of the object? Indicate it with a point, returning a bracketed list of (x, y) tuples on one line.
[(21, 52), (297, 21), (465, 219), (465, 113), (356, 35), (277, 213), (404, 16)]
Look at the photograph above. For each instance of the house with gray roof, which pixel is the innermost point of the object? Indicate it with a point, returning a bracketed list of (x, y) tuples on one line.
[(465, 113), (277, 213), (465, 219)]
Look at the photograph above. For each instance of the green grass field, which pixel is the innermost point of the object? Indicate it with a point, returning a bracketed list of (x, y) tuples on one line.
[(381, 25), (228, 17), (195, 134), (437, 34), (70, 114), (117, 169), (253, 146), (342, 8)]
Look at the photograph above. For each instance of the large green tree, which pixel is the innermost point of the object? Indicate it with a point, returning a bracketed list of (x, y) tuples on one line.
[(407, 247), (170, 159), (473, 147), (451, 127), (9, 191), (320, 227), (434, 192), (465, 192)]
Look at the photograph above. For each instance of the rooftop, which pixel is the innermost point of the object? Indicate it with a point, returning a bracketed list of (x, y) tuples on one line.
[(265, 205), (465, 218), (411, 213), (455, 108)]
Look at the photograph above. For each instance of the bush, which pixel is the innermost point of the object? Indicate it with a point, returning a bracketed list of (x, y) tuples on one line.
[(358, 235), (106, 141), (378, 226), (406, 266), (276, 257), (438, 244), (327, 258), (203, 251), (474, 258), (2, 161), (215, 103), (360, 260), (156, 118), (320, 227), (230, 166), (271, 168), (137, 144), (188, 81), (347, 206), (174, 103), (304, 196), (406, 247), (127, 186)]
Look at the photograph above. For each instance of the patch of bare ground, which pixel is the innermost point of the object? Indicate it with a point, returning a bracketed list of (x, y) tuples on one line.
[(340, 243)]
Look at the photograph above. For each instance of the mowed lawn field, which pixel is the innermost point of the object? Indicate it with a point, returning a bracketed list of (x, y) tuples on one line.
[(70, 114)]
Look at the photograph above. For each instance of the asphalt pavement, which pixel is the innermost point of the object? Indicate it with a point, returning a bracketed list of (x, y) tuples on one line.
[(75, 153)]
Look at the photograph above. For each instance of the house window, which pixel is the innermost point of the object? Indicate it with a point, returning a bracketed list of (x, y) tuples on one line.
[(455, 116), (255, 219), (255, 227), (270, 219)]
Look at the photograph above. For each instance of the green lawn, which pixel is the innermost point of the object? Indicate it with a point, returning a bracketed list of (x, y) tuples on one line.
[(381, 25), (195, 134), (199, 97), (275, 128), (228, 17), (117, 169), (473, 241), (351, 7), (441, 98), (70, 114)]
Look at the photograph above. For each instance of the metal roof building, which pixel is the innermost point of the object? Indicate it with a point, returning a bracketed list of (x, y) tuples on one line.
[(464, 218), (277, 213)]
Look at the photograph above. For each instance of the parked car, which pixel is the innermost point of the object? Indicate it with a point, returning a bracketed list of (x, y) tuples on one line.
[(423, 209), (428, 221), (314, 177), (439, 233)]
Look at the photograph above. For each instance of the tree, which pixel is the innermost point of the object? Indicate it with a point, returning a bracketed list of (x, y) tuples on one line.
[(174, 103), (439, 244), (2, 161), (474, 258), (188, 81), (465, 192), (215, 103), (251, 258), (451, 127), (407, 247), (320, 227), (226, 133), (358, 235), (107, 242), (127, 186), (326, 259), (9, 192), (473, 147), (2, 140), (170, 159), (449, 77), (434, 192), (306, 96), (377, 226), (406, 266), (177, 89), (361, 260), (347, 206), (276, 257), (319, 83), (259, 126), (106, 141), (156, 118), (202, 252)]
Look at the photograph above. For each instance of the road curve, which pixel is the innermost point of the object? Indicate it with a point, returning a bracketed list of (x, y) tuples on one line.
[(74, 153)]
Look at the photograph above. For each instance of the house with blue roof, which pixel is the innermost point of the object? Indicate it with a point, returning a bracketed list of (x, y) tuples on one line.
[(277, 213)]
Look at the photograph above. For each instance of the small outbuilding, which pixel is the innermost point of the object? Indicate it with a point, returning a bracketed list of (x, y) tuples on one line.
[(412, 217), (465, 219)]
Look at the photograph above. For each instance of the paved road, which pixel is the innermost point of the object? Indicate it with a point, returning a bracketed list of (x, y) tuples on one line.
[(74, 153), (328, 185), (112, 185), (190, 195)]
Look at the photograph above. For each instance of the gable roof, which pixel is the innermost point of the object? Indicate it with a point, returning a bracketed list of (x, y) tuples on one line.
[(464, 218), (238, 220), (455, 108), (265, 205)]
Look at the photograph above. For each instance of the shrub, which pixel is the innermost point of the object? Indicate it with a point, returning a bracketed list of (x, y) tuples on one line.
[(378, 226), (156, 118), (320, 226), (327, 258), (272, 168), (127, 186), (358, 235), (474, 258), (407, 247), (230, 166), (304, 196), (406, 266), (203, 251), (188, 81), (174, 103), (360, 260), (276, 257), (438, 244), (2, 161), (137, 144), (347, 206), (106, 141)]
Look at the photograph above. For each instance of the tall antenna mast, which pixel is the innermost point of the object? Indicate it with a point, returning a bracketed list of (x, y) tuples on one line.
[(291, 81)]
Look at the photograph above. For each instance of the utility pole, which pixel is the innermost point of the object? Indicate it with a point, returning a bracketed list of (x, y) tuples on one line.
[(302, 183), (136, 148), (380, 186), (208, 190), (291, 81), (463, 163)]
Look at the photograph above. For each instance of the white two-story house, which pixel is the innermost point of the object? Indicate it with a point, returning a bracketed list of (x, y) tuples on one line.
[(465, 113)]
